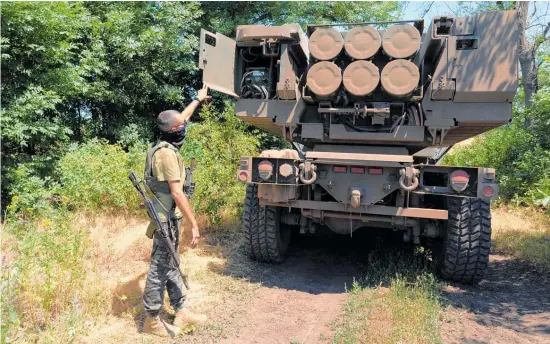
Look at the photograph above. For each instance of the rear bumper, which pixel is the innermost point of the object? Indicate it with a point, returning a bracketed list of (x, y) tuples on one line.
[(332, 209), (432, 179)]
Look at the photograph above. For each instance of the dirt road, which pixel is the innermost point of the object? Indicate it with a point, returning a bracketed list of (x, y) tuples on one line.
[(300, 300), (512, 305)]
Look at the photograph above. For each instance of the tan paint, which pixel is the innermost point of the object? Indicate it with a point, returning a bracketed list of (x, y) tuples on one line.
[(324, 78), (400, 78), (361, 78), (359, 156), (325, 43), (370, 209), (362, 42), (401, 41)]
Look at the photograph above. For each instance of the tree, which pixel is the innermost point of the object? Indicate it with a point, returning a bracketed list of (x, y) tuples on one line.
[(224, 16), (75, 70), (528, 51)]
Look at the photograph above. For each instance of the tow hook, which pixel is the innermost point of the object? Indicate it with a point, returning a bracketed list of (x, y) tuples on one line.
[(308, 169), (355, 198), (409, 178)]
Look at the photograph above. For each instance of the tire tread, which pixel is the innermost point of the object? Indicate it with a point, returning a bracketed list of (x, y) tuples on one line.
[(468, 240)]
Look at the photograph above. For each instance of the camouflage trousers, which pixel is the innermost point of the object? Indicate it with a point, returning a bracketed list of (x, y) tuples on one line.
[(163, 274)]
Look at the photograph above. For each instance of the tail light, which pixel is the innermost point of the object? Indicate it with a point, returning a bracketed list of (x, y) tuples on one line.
[(358, 170), (243, 176), (265, 169), (286, 170), (376, 171), (339, 169), (459, 180), (488, 191)]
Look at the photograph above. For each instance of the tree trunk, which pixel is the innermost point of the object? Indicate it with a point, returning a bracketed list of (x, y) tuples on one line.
[(527, 54)]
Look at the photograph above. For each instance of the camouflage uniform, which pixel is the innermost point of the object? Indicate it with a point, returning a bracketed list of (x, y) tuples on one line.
[(163, 274), (163, 164)]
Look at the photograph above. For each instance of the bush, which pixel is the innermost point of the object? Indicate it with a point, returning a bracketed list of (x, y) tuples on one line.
[(218, 142), (94, 175), (31, 194), (520, 155)]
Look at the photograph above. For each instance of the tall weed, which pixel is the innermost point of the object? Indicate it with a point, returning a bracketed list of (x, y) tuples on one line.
[(217, 143), (47, 272), (397, 301)]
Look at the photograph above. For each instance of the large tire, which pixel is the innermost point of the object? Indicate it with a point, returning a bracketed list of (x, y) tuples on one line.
[(265, 239), (467, 241)]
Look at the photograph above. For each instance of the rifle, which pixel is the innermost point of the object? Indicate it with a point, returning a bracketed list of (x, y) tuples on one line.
[(155, 217)]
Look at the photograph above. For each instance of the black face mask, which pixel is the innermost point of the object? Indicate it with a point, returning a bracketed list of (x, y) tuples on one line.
[(175, 138)]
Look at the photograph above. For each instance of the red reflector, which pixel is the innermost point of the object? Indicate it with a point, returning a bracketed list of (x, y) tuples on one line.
[(488, 191), (265, 166), (359, 170), (339, 169), (243, 176), (375, 170)]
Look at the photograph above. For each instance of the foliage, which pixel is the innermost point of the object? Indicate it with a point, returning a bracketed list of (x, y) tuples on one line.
[(94, 175), (218, 144), (45, 280), (225, 16), (79, 70), (31, 194), (520, 156), (523, 233)]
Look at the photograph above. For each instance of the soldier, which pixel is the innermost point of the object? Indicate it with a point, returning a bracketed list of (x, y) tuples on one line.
[(165, 176)]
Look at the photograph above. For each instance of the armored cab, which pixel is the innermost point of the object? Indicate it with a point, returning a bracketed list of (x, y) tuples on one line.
[(370, 109)]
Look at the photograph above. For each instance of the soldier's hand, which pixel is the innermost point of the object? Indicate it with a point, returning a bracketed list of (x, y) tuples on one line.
[(202, 94), (196, 236)]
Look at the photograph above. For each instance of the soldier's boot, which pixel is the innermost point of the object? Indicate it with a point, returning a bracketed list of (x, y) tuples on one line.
[(156, 326), (185, 316)]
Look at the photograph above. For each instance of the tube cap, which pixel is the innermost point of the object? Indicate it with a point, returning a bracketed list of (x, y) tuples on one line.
[(361, 78), (362, 42), (324, 78), (400, 77), (401, 41), (325, 43)]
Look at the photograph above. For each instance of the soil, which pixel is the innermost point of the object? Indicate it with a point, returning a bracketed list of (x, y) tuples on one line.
[(299, 300), (512, 305)]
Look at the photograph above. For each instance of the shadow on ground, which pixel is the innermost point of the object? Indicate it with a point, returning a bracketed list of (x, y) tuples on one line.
[(511, 305), (514, 296), (316, 265)]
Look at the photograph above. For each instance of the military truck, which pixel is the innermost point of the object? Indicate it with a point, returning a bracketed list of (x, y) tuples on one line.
[(370, 109)]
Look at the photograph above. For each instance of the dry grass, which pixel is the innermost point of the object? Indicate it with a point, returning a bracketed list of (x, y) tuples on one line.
[(401, 313), (523, 233), (106, 305), (122, 263)]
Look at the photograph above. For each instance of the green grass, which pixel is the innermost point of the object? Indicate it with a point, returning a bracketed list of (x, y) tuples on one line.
[(398, 302)]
